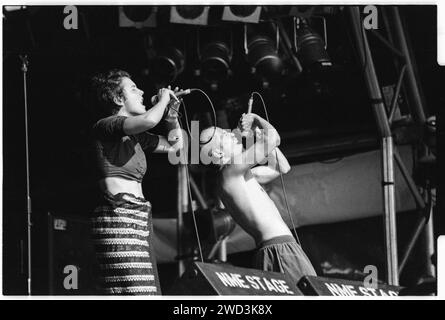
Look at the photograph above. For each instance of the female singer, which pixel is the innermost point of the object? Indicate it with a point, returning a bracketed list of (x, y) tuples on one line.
[(122, 225)]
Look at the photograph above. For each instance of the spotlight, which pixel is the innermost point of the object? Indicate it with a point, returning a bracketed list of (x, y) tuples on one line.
[(262, 55), (168, 64), (215, 62), (246, 14), (137, 16), (310, 47), (197, 15)]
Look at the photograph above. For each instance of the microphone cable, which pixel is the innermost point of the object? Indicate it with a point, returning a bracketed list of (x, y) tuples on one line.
[(187, 165), (281, 174)]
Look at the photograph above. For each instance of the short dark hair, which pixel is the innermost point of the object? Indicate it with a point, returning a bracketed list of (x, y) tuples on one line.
[(107, 87)]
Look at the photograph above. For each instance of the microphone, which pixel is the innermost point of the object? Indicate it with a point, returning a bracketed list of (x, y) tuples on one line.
[(181, 93), (249, 104), (246, 133)]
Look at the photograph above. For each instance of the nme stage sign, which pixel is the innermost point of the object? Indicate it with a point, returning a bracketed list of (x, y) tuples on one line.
[(230, 280), (319, 286)]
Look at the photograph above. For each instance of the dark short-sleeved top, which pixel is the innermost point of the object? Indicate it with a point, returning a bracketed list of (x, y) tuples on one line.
[(118, 154)]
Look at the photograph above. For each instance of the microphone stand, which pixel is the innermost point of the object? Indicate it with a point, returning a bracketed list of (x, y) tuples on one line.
[(24, 69)]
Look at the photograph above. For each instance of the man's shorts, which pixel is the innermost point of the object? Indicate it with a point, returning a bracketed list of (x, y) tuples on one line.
[(283, 254)]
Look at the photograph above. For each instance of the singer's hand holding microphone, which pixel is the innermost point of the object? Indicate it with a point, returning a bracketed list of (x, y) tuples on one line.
[(172, 94), (246, 121), (170, 98), (163, 96)]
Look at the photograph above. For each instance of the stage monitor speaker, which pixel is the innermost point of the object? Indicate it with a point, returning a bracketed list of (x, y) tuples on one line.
[(320, 286), (71, 258), (223, 279)]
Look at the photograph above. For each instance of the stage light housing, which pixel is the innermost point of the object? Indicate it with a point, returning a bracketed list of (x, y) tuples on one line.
[(138, 16), (168, 64), (310, 47), (246, 14), (196, 15), (263, 58), (215, 62)]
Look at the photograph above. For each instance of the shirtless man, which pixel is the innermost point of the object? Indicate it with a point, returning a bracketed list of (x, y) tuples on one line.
[(249, 204)]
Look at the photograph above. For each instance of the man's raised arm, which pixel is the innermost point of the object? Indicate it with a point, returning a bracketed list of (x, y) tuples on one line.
[(277, 163)]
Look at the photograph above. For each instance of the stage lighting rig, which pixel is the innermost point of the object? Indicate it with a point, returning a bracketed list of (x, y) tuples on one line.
[(196, 15), (262, 55), (168, 63), (138, 16), (310, 47), (246, 14), (215, 62)]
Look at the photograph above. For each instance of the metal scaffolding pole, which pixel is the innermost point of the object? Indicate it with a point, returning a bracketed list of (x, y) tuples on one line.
[(390, 211), (417, 108), (375, 94), (413, 90), (429, 252), (182, 206)]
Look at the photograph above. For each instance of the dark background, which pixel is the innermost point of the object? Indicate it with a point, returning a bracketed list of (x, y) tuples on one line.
[(61, 113)]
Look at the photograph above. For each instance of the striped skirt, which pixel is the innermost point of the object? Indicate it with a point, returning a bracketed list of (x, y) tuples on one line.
[(122, 232)]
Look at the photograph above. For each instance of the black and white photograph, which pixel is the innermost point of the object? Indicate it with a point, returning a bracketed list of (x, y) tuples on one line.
[(278, 151)]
